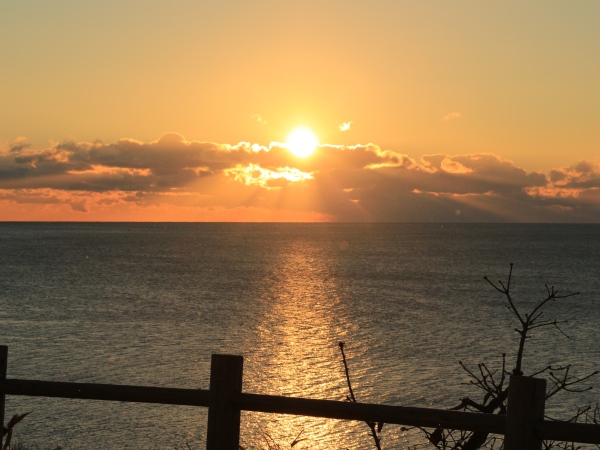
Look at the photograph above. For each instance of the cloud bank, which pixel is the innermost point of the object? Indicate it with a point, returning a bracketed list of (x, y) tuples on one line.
[(172, 179)]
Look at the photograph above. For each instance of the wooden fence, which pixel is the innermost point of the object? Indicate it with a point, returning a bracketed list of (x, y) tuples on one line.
[(523, 427)]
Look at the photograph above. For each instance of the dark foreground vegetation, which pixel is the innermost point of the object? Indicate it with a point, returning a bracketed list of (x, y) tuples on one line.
[(493, 382)]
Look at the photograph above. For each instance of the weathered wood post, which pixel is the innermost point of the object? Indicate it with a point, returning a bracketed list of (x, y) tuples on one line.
[(3, 366), (526, 401), (223, 431)]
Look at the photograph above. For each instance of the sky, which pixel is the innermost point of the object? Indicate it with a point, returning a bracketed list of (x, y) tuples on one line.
[(424, 111)]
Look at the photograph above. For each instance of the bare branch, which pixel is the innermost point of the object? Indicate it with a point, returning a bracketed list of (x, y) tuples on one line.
[(547, 323), (493, 285), (565, 382), (372, 425), (352, 397), (509, 276)]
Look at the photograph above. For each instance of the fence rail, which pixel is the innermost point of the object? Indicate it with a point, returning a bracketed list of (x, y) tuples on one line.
[(110, 392), (523, 427)]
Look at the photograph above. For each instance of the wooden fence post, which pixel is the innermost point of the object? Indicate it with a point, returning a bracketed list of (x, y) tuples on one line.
[(3, 366), (526, 401), (223, 431)]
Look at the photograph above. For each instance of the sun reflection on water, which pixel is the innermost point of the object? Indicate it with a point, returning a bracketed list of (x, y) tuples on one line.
[(298, 334)]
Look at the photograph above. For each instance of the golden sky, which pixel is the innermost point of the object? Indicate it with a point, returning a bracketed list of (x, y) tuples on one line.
[(424, 111)]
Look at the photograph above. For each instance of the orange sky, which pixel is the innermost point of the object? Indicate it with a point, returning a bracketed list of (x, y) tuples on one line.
[(447, 111)]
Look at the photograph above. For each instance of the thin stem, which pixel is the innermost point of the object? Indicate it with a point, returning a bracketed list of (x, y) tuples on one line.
[(372, 425), (352, 397)]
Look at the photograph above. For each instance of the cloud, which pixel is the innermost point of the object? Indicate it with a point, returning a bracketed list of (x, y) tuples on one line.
[(452, 116), (584, 174), (79, 206), (450, 166), (259, 119), (15, 146), (192, 180), (345, 126)]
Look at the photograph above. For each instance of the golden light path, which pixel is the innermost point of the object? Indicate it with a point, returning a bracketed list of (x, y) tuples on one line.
[(298, 332), (301, 142)]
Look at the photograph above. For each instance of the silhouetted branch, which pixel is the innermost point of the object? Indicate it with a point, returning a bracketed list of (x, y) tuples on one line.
[(351, 398), (375, 428), (564, 382), (492, 382)]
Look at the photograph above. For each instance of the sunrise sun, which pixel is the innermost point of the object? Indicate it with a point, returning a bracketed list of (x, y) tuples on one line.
[(301, 142)]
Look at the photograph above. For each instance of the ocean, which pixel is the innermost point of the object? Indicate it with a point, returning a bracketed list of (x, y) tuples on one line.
[(148, 303)]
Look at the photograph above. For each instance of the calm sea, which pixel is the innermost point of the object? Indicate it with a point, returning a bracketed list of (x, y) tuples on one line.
[(148, 304)]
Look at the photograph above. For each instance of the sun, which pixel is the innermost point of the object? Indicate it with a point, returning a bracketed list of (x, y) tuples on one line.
[(301, 142)]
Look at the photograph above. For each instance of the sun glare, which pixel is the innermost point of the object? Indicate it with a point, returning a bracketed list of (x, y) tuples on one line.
[(301, 142)]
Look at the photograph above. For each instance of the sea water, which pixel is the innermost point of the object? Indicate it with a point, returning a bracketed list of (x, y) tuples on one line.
[(147, 304)]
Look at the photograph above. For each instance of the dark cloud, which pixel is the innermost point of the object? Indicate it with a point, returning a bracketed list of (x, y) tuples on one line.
[(19, 145), (583, 175), (26, 196), (169, 162), (348, 183)]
